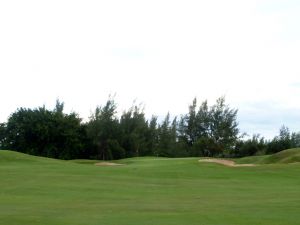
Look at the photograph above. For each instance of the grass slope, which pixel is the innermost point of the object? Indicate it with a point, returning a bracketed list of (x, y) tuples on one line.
[(146, 191), (286, 156)]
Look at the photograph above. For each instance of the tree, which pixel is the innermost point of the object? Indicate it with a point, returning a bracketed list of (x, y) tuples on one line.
[(2, 135), (223, 129), (203, 141), (191, 128), (103, 129), (281, 142), (295, 140), (43, 132), (209, 131), (203, 131), (134, 129), (253, 146), (152, 137), (115, 149), (164, 138)]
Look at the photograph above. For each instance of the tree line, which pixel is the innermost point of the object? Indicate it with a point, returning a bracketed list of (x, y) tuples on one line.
[(203, 131), (258, 145)]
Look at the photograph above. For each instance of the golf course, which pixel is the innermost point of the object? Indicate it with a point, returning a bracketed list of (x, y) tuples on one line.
[(149, 191)]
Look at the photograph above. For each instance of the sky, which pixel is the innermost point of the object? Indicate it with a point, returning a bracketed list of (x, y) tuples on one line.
[(162, 53)]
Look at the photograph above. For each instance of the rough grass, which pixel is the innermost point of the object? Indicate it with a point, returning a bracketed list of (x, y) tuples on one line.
[(286, 156), (146, 191)]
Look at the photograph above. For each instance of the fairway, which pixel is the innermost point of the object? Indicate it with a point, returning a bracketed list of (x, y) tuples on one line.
[(146, 191)]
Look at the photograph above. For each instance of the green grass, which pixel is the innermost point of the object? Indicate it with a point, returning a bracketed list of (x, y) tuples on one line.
[(286, 156), (146, 191)]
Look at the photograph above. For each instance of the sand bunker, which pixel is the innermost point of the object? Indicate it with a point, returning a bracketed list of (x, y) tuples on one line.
[(225, 162), (108, 164)]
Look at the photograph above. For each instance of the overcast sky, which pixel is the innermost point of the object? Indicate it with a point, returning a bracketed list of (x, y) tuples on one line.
[(159, 52)]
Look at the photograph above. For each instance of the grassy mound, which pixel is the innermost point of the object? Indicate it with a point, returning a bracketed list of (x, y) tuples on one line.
[(18, 157), (286, 156)]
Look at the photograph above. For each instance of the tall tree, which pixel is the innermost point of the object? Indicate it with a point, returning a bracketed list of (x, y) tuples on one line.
[(167, 138), (102, 129), (223, 126), (250, 147), (152, 137), (43, 132), (2, 135), (191, 128), (209, 131), (281, 142), (164, 137), (134, 128)]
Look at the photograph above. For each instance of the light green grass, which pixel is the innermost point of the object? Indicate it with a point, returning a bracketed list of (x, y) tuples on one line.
[(146, 191)]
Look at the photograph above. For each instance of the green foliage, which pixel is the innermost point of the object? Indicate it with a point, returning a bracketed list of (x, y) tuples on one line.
[(116, 151), (151, 137), (204, 131), (43, 132), (223, 126), (209, 131), (2, 135), (254, 146), (259, 146), (134, 128), (282, 141), (203, 147), (102, 130), (167, 136), (191, 124)]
